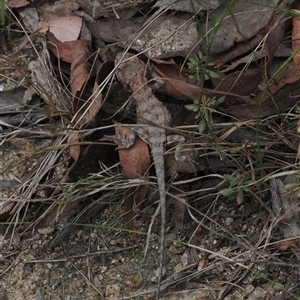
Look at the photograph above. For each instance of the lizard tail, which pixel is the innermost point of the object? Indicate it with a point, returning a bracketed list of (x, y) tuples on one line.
[(160, 174)]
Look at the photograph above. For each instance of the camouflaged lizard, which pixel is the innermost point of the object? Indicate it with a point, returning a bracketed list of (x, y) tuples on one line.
[(151, 112)]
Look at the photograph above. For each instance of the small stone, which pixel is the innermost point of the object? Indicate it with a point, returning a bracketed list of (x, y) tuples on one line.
[(184, 259), (46, 230), (97, 282), (234, 296), (113, 242), (258, 294), (229, 221), (176, 249), (134, 281), (112, 291), (248, 290), (85, 237), (156, 274)]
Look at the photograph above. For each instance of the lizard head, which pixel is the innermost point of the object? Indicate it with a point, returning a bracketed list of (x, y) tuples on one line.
[(128, 67)]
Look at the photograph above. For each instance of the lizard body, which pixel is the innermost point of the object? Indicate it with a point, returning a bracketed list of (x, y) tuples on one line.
[(150, 111)]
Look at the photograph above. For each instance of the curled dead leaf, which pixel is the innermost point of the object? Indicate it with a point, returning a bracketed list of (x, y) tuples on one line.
[(135, 163), (285, 244), (296, 35), (64, 28), (74, 149)]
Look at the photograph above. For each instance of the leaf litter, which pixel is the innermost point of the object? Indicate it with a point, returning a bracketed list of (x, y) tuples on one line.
[(74, 177)]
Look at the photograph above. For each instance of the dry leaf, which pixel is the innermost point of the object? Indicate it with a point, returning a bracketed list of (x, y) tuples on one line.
[(80, 68), (17, 3), (180, 209), (296, 36), (6, 209), (176, 84), (74, 150), (65, 29), (285, 206), (135, 163), (283, 245), (63, 51)]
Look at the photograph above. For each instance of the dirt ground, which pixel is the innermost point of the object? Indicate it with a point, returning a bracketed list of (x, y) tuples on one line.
[(230, 256)]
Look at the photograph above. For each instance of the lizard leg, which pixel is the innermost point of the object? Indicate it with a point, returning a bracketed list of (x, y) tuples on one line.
[(179, 139), (127, 140), (179, 156), (156, 81), (142, 133)]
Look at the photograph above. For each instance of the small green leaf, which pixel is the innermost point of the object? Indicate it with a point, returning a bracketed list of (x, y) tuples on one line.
[(212, 74), (212, 102), (227, 192), (203, 99), (248, 182), (229, 177), (220, 100), (198, 116), (192, 107), (192, 60), (202, 125), (292, 185)]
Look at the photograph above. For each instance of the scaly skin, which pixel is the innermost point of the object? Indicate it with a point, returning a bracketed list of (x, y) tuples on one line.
[(154, 114)]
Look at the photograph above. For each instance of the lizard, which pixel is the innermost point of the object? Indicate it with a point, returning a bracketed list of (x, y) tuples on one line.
[(130, 71)]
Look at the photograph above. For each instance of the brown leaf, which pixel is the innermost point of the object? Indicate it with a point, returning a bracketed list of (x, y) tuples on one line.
[(77, 53), (135, 163), (244, 19), (122, 29), (80, 67), (84, 107), (202, 264), (64, 28), (262, 105), (245, 81), (74, 149), (180, 209), (283, 245), (61, 50), (17, 3), (285, 207), (220, 269), (296, 35), (176, 85), (290, 77), (6, 209), (88, 109)]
